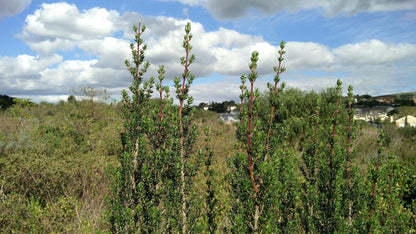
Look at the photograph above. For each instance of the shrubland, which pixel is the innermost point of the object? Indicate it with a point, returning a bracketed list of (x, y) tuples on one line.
[(296, 161), (53, 160)]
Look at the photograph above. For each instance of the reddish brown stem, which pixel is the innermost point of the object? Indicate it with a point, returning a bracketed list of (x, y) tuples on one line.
[(349, 143), (138, 52), (391, 180), (335, 117), (315, 137), (182, 156), (334, 126), (161, 101), (241, 111), (250, 117), (272, 110), (375, 180)]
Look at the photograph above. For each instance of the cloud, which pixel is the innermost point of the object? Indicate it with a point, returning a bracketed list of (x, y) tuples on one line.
[(219, 91), (52, 29), (308, 56), (24, 65), (59, 26), (351, 57), (188, 2), (375, 52), (185, 12), (11, 8), (111, 52), (372, 67), (233, 9)]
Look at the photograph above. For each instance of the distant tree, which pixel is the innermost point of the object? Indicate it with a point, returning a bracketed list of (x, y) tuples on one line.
[(218, 107), (202, 105), (393, 112), (91, 94), (221, 107), (6, 101), (404, 102), (71, 98)]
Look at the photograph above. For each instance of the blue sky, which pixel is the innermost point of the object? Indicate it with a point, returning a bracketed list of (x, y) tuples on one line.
[(48, 47)]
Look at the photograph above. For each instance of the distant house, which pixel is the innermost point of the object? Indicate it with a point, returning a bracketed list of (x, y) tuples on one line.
[(231, 108), (372, 114), (405, 121), (230, 117), (385, 99)]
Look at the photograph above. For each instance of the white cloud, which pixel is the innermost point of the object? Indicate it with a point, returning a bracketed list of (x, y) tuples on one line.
[(185, 11), (52, 29), (25, 66), (219, 91), (232, 9), (10, 8), (308, 56), (60, 26), (110, 51), (375, 52), (45, 98), (372, 67)]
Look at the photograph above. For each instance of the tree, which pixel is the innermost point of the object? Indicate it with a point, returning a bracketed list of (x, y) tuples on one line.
[(71, 98)]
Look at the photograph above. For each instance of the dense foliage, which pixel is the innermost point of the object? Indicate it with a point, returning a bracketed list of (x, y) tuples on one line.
[(296, 162), (151, 185), (52, 165)]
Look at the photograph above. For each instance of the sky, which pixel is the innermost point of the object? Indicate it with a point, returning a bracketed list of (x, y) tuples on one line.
[(48, 48)]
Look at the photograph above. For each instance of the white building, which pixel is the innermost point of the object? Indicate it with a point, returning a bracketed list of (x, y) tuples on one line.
[(405, 121)]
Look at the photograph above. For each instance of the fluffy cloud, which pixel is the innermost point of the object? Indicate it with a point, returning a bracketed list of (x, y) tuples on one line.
[(10, 8), (24, 65), (232, 9), (222, 90), (62, 27), (375, 52), (371, 66), (111, 52), (308, 56)]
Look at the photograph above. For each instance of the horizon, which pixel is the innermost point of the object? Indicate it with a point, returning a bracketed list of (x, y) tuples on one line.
[(50, 47)]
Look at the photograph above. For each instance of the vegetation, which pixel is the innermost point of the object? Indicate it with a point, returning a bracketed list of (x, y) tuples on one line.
[(221, 107), (296, 162), (400, 99), (6, 101), (52, 165)]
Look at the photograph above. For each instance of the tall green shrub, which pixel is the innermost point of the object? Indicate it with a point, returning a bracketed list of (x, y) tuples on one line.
[(263, 177), (152, 181), (294, 170)]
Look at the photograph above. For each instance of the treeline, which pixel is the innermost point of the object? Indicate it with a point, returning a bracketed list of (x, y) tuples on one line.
[(7, 101), (218, 107), (388, 100)]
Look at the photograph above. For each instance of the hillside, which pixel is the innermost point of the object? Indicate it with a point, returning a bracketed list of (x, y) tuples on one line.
[(54, 159)]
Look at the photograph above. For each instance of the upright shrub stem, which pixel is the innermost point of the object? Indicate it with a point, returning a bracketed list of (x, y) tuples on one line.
[(183, 95), (252, 77), (279, 69), (380, 150)]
